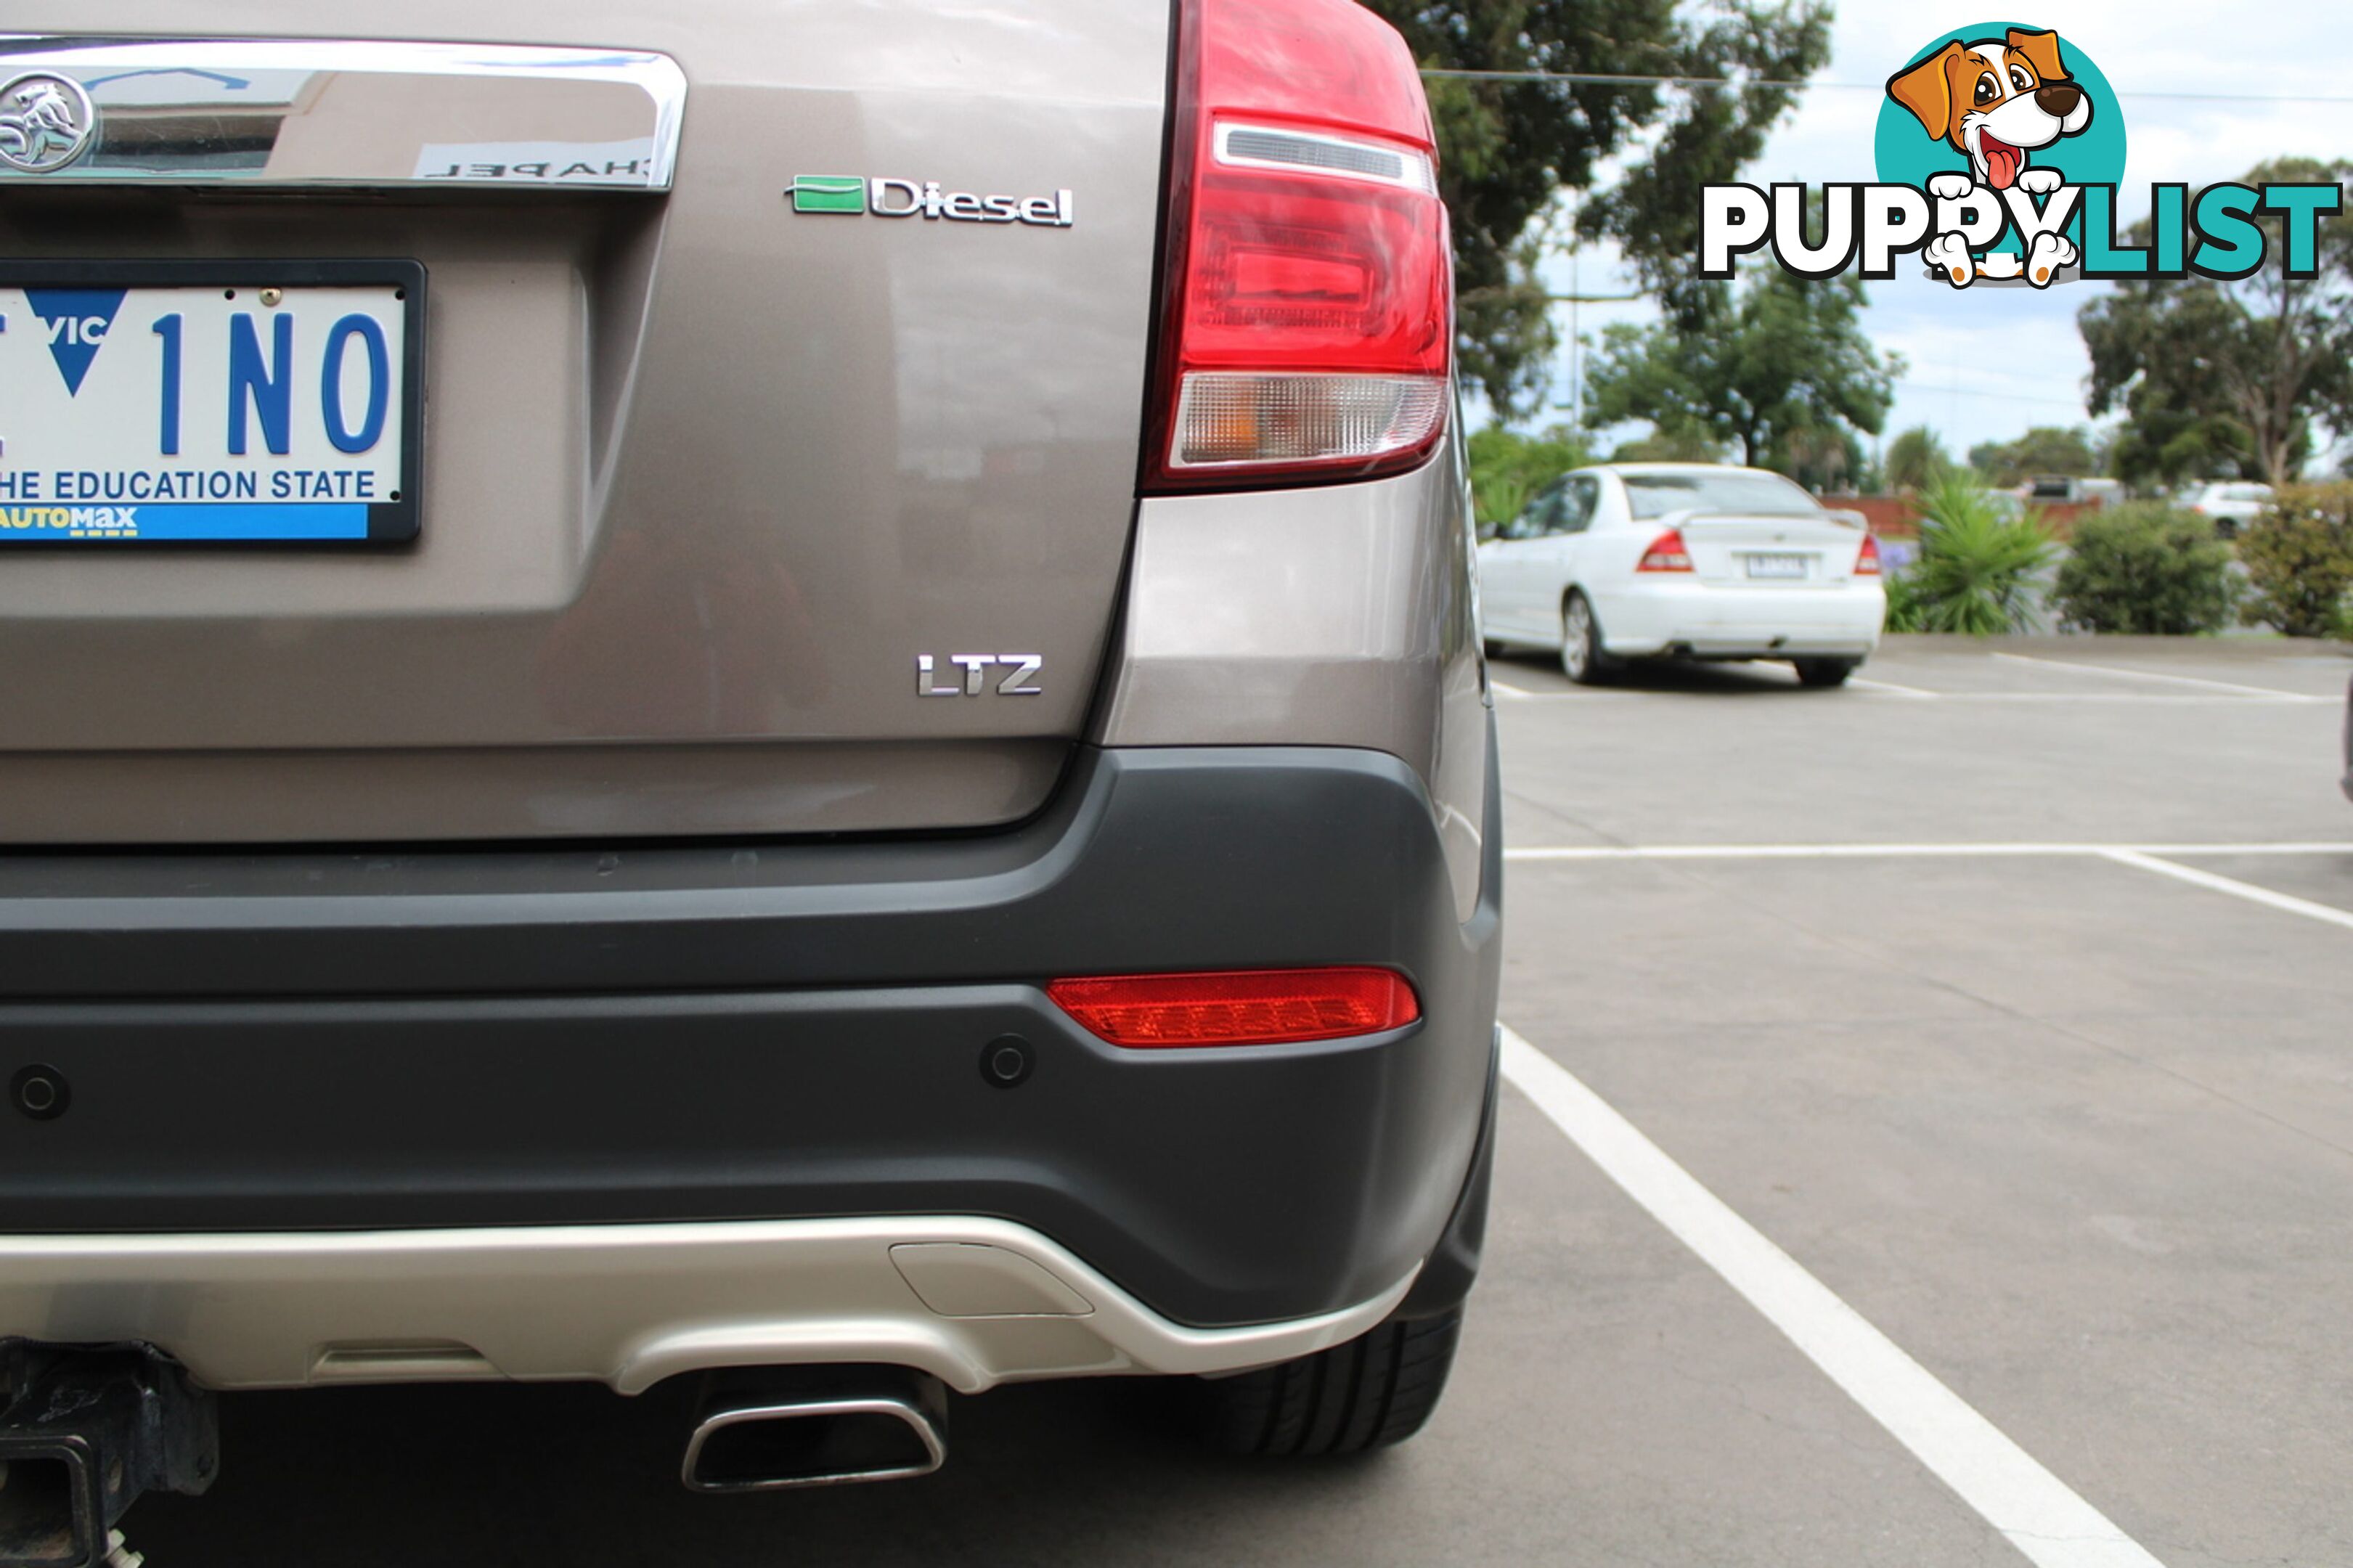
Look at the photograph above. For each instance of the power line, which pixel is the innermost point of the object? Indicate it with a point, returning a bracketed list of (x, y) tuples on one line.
[(1604, 79), (1608, 80), (1931, 388)]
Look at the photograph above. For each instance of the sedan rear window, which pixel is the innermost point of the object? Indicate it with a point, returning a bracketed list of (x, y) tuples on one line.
[(1721, 489)]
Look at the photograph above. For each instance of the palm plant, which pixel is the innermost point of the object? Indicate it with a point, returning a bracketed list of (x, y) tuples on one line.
[(1916, 461), (1977, 567)]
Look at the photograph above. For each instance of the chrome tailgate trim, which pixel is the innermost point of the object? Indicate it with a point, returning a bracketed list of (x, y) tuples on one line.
[(335, 113)]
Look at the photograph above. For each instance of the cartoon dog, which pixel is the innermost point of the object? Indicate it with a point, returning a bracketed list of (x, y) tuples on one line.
[(1996, 101)]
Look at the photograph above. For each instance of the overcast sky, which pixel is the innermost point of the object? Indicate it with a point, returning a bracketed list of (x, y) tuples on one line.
[(1986, 364)]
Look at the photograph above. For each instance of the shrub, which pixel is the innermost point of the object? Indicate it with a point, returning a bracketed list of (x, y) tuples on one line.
[(2145, 567), (1977, 567), (1903, 604), (2299, 559)]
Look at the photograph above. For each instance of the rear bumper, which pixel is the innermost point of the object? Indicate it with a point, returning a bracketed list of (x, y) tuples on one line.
[(975, 1303), (1743, 622), (265, 1049)]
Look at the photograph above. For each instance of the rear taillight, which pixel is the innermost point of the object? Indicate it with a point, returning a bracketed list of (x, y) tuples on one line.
[(1866, 564), (1238, 1007), (1307, 320), (1666, 554)]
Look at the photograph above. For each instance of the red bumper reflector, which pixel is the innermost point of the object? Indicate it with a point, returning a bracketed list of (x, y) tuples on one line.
[(1242, 1008)]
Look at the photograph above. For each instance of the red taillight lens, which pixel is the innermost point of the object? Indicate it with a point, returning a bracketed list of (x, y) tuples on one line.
[(1666, 554), (1866, 564), (1307, 329), (1239, 1007)]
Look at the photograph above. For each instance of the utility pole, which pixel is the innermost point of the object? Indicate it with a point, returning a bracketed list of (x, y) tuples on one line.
[(1573, 298), (1576, 348)]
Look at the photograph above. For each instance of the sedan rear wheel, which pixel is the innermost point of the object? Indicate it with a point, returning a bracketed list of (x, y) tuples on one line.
[(1582, 657)]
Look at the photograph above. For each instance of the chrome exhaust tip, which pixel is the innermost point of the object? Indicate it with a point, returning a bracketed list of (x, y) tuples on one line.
[(815, 1427)]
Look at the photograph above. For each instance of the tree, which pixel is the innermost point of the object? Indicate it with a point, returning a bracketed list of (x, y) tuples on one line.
[(2216, 374), (1508, 148), (1822, 458), (1507, 469), (1780, 369), (1916, 459), (2044, 449), (1662, 447), (2160, 447)]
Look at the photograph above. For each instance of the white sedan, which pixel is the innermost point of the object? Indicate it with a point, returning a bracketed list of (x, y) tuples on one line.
[(1684, 560), (2231, 507)]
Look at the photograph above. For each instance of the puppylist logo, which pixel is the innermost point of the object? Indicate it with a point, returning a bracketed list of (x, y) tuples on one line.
[(1999, 151)]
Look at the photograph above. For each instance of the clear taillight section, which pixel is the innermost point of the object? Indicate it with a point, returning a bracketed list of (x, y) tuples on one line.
[(1231, 418), (1308, 324), (1238, 1007)]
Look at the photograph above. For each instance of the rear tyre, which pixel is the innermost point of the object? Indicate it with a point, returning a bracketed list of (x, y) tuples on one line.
[(1582, 657), (1365, 1394), (1824, 671)]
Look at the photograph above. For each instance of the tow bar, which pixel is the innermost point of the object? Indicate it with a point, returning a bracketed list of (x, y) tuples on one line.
[(84, 1430)]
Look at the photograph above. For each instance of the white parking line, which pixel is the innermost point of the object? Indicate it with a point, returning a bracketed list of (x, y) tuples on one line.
[(2123, 673), (2035, 1510), (1863, 684), (2174, 699), (1581, 694), (1899, 851), (2146, 861), (1888, 689)]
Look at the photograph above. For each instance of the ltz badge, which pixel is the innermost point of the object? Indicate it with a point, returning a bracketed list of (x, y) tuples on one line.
[(975, 681)]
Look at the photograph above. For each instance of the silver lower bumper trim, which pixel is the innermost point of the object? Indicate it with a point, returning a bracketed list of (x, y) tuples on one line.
[(975, 1303)]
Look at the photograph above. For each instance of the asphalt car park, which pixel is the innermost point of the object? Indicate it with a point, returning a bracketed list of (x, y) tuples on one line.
[(1997, 1002)]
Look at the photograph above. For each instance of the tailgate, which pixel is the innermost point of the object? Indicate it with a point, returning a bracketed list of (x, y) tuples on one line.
[(707, 473)]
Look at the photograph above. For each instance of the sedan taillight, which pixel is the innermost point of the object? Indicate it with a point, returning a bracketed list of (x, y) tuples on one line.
[(1866, 562), (1666, 554), (1307, 324)]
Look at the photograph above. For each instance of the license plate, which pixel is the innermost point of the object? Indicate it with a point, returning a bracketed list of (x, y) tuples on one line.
[(1777, 567), (183, 403)]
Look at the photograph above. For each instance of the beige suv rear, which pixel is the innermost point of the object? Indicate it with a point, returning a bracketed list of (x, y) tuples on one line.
[(784, 696)]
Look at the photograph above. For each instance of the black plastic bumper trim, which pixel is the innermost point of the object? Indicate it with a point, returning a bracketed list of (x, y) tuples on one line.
[(328, 1042)]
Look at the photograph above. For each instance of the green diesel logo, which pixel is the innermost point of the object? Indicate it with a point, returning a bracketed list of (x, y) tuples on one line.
[(926, 199), (828, 193)]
